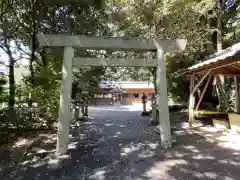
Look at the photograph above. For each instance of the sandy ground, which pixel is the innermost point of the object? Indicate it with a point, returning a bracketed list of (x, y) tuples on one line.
[(117, 144)]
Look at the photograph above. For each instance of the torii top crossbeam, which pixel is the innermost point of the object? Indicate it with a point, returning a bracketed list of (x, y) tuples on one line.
[(111, 43)]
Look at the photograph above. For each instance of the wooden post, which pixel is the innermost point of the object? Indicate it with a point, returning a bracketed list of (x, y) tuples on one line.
[(164, 120), (191, 101), (144, 101), (144, 107), (236, 84), (153, 119), (82, 111), (65, 102), (76, 113), (86, 110)]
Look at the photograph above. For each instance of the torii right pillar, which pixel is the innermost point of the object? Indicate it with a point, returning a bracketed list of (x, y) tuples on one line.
[(164, 119)]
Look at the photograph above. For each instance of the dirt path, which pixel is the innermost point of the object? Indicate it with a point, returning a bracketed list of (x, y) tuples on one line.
[(117, 144)]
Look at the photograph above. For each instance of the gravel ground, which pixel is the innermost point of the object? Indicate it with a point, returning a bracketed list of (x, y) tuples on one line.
[(117, 144)]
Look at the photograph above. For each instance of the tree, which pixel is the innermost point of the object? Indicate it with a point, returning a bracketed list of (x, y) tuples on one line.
[(7, 32)]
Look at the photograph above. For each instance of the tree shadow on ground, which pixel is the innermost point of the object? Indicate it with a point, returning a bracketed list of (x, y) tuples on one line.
[(124, 147)]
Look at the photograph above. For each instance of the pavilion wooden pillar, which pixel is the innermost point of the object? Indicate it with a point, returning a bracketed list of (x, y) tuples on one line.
[(236, 84), (191, 101), (65, 102), (164, 119)]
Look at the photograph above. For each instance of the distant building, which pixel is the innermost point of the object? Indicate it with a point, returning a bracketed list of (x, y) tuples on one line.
[(122, 92)]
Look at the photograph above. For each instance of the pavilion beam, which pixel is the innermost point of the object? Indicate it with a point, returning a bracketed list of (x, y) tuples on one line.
[(114, 62), (191, 101), (236, 84), (65, 102), (162, 105), (203, 92), (111, 43), (201, 80), (235, 66), (225, 74)]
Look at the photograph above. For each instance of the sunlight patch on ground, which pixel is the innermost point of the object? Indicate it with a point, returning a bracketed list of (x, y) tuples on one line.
[(109, 124), (127, 150), (121, 125), (160, 169), (227, 161), (57, 162), (153, 145), (20, 142), (50, 140), (211, 175), (228, 178), (145, 149), (41, 151), (54, 163), (82, 136), (180, 132), (223, 138), (98, 175), (72, 145), (146, 154), (38, 164), (179, 155), (208, 129), (114, 136), (201, 156), (191, 148), (185, 125)]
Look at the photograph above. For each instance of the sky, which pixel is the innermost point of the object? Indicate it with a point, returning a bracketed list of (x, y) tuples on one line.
[(4, 60)]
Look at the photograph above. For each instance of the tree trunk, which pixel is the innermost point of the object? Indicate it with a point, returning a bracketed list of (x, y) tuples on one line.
[(223, 104), (33, 50), (6, 37), (12, 86)]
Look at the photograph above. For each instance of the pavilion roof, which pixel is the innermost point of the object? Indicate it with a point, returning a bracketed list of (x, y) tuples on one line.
[(225, 62)]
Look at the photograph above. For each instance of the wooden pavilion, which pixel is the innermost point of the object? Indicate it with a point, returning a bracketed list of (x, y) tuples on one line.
[(225, 63)]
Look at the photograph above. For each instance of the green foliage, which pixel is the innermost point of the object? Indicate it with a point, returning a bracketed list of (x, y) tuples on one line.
[(3, 93), (86, 82), (45, 98), (178, 86), (37, 97)]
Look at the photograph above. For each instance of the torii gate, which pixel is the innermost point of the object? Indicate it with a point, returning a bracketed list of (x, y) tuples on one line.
[(69, 42)]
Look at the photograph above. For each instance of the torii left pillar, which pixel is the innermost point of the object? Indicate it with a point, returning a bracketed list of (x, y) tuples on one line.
[(65, 102)]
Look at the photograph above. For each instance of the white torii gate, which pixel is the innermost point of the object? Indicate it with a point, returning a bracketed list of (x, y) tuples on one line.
[(69, 42)]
